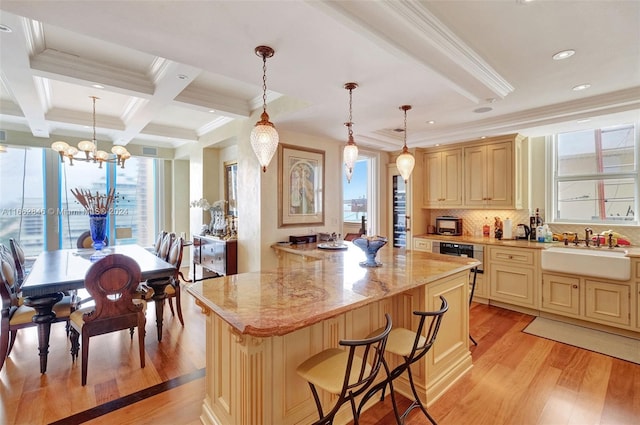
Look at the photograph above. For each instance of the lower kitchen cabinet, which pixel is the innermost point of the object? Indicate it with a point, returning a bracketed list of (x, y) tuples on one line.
[(513, 275), (561, 294), (599, 301), (608, 303)]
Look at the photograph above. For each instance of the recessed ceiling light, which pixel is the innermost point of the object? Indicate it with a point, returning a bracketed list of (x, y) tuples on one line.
[(182, 77), (97, 86), (482, 110), (581, 87), (583, 120), (5, 28), (564, 54), (212, 110), (431, 122), (437, 144), (483, 137)]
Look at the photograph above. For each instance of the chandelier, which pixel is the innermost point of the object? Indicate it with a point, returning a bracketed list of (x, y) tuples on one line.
[(405, 160), (350, 153), (264, 137), (90, 149)]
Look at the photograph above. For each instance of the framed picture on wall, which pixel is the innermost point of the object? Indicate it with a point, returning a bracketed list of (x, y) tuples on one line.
[(300, 186), (231, 187)]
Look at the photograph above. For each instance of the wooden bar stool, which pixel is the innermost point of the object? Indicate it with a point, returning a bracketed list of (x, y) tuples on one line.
[(346, 373), (411, 346)]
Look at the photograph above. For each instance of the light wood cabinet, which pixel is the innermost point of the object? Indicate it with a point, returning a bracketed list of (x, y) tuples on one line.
[(489, 177), (513, 275), (443, 175), (561, 294), (607, 302), (593, 300)]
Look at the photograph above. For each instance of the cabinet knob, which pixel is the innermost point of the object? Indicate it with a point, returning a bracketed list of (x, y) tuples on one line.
[(574, 286)]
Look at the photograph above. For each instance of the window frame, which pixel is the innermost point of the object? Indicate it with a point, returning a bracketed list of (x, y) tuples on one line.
[(554, 179)]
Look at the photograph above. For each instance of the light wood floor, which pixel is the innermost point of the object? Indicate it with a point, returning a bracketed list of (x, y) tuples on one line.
[(517, 379)]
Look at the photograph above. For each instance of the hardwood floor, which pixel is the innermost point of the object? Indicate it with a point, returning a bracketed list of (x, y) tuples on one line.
[(516, 379)]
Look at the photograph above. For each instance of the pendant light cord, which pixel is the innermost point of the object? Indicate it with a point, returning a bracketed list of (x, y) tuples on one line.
[(405, 129), (264, 83), (350, 123)]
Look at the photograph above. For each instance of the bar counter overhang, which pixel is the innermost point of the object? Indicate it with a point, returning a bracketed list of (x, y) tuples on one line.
[(262, 325)]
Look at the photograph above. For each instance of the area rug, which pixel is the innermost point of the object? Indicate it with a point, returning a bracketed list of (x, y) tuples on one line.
[(601, 342)]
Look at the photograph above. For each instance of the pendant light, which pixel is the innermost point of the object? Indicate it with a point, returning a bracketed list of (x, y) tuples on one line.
[(405, 160), (350, 153), (264, 137)]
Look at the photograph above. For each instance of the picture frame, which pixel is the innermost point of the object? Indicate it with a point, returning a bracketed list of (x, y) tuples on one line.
[(231, 187), (300, 186)]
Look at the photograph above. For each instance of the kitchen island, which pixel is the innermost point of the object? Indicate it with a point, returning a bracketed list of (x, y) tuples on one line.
[(261, 325)]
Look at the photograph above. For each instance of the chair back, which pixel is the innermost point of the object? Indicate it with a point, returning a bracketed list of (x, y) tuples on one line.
[(360, 375), (158, 242), (84, 240), (429, 320), (18, 258), (112, 282), (165, 246), (8, 282), (175, 254)]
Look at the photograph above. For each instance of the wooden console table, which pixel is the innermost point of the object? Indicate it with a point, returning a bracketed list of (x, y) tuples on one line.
[(216, 255)]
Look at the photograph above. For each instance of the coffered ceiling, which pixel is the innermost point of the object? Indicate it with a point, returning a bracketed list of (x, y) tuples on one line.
[(166, 65)]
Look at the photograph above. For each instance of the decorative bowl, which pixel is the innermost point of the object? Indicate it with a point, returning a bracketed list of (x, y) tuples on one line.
[(370, 246)]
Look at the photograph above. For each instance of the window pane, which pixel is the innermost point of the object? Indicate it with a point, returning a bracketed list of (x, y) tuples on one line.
[(355, 193), (576, 153), (22, 201), (595, 200), (618, 150), (73, 218), (134, 211), (596, 152)]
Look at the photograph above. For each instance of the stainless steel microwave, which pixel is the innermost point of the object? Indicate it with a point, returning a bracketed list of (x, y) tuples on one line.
[(449, 226)]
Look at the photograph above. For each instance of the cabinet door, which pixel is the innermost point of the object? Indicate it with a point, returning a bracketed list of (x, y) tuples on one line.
[(451, 191), (561, 294), (433, 174), (499, 179), (608, 302), (443, 174), (638, 306), (513, 285), (475, 175)]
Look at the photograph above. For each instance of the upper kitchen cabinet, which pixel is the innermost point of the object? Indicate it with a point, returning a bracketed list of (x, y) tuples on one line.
[(444, 176), (494, 173)]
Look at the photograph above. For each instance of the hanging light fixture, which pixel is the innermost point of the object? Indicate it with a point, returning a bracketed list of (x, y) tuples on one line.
[(90, 148), (264, 137), (405, 160), (350, 153)]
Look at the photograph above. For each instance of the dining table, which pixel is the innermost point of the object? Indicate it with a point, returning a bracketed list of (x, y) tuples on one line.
[(55, 272)]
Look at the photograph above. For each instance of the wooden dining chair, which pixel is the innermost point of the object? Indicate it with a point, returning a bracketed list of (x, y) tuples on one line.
[(165, 246), (170, 284), (23, 264), (14, 314), (112, 283)]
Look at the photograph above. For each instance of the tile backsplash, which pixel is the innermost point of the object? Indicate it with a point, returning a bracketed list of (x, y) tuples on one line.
[(472, 221)]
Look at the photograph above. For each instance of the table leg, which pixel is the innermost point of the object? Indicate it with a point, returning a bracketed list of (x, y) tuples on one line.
[(43, 304), (158, 298)]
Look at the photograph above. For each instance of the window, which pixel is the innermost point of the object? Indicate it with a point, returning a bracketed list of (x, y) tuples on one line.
[(360, 197), (133, 213), (22, 206), (595, 177), (355, 193)]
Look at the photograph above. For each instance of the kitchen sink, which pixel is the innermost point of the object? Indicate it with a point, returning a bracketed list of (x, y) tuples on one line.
[(595, 262)]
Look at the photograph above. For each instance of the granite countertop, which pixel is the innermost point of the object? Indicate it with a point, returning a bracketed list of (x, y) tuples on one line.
[(277, 302), (632, 251)]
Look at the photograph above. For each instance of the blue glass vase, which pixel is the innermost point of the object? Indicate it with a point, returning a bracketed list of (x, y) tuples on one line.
[(370, 246), (98, 227)]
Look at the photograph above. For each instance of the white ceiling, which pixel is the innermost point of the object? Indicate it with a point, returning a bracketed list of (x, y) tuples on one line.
[(445, 58)]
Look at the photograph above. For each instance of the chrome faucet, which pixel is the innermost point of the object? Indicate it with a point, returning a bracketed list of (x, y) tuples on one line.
[(575, 239), (587, 236), (610, 240)]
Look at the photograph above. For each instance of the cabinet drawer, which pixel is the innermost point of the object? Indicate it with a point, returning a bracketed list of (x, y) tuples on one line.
[(637, 268), (513, 256), (422, 245)]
